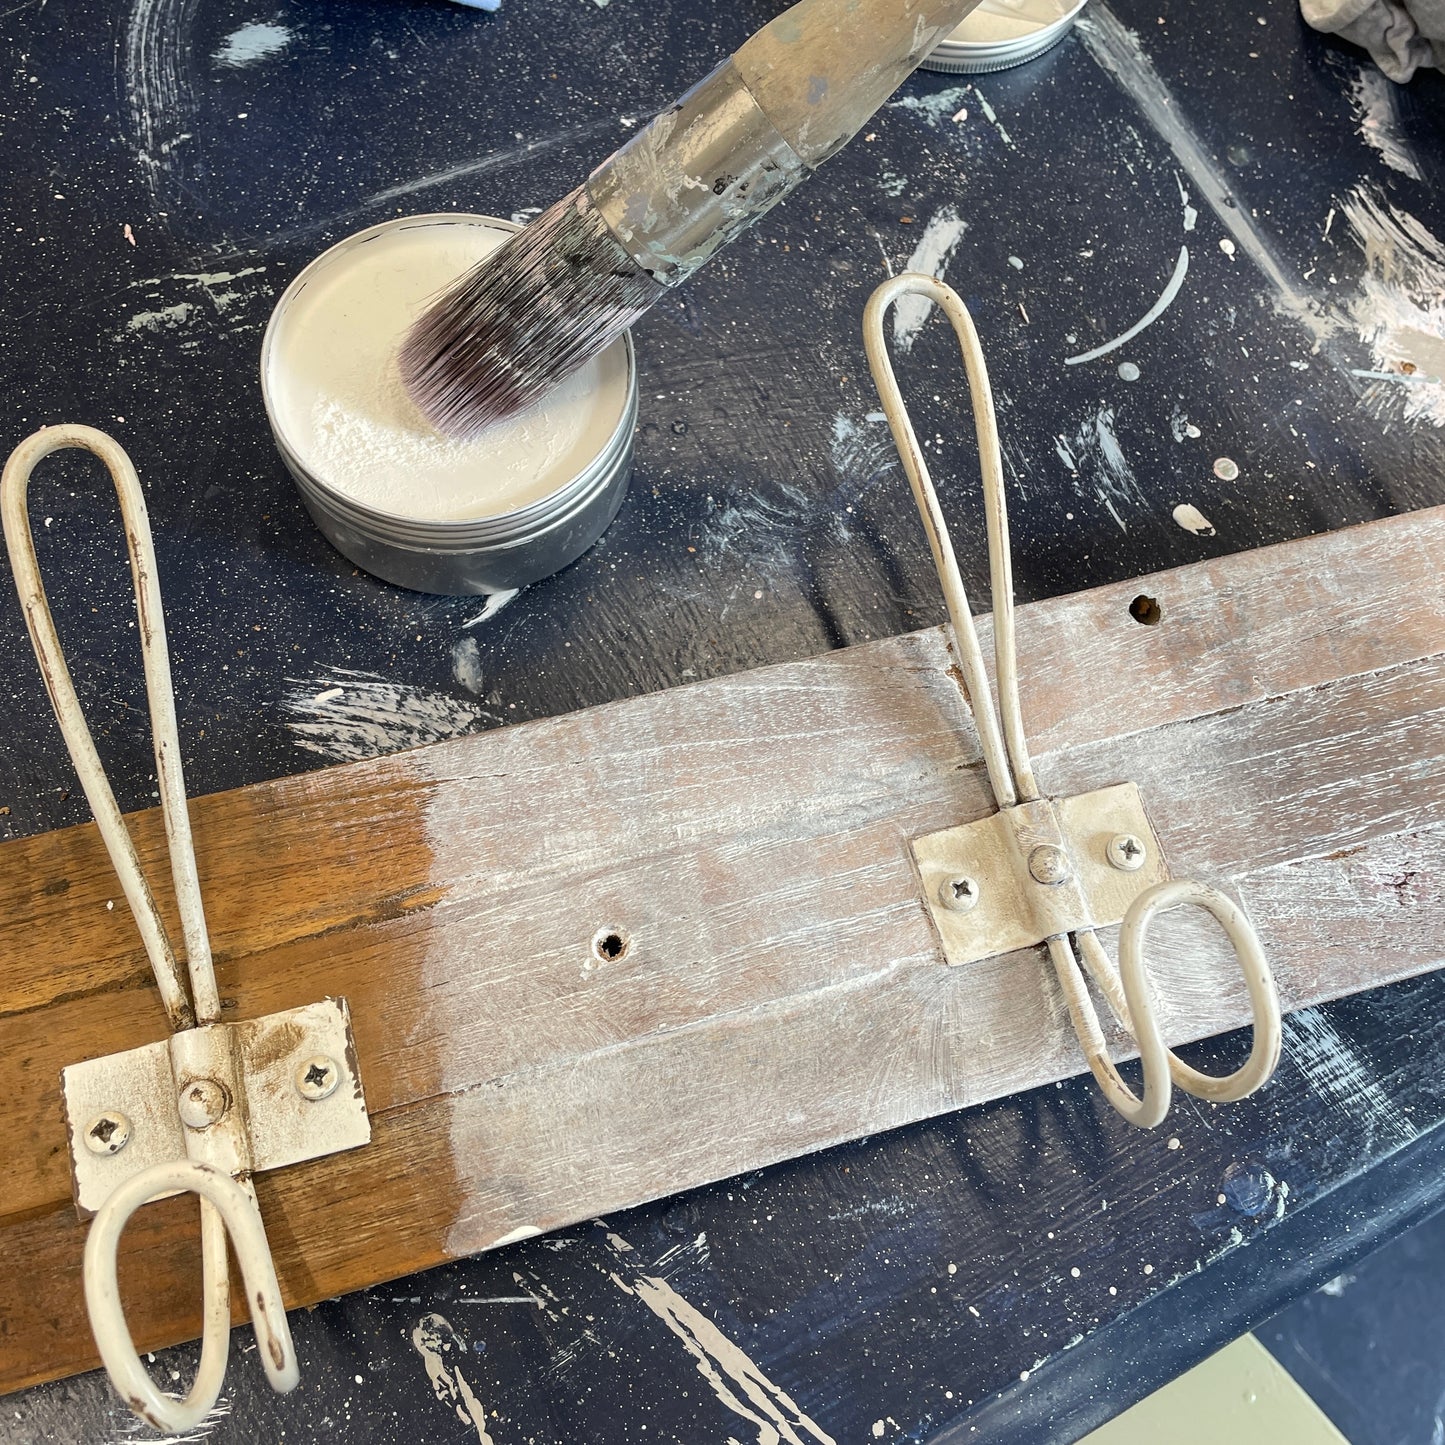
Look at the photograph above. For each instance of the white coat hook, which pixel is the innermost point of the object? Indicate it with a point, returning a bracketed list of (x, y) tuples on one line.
[(226, 1208), (203, 1145), (1069, 866)]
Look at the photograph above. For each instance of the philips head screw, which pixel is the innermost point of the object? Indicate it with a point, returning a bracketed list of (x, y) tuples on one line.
[(959, 894), (107, 1133), (317, 1078)]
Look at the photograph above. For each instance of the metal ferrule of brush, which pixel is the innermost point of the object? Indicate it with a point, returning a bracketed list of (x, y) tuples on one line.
[(697, 175)]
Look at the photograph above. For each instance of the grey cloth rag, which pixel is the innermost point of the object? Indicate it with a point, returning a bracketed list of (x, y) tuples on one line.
[(1400, 36)]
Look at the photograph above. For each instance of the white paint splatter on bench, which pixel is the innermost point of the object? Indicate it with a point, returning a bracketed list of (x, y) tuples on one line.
[(734, 1378), (347, 715), (442, 1351)]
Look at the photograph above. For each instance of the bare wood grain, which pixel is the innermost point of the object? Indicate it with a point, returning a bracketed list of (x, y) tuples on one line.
[(781, 989)]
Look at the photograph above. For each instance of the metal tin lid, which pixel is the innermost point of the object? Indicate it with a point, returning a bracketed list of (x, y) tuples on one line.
[(368, 491), (1004, 33)]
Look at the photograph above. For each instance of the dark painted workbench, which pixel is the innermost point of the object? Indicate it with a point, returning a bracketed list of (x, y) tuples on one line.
[(1019, 1272)]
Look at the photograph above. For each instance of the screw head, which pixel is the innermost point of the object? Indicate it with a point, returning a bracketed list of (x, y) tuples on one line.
[(317, 1078), (958, 894), (201, 1103), (1049, 864), (107, 1133), (1126, 852)]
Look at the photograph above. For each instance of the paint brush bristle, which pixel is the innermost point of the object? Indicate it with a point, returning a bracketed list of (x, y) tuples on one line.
[(519, 322)]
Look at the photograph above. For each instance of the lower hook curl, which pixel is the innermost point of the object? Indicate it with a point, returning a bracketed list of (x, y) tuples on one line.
[(1131, 998), (226, 1208)]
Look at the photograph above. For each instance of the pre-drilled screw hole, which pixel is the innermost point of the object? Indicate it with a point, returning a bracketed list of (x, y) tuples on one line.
[(1146, 609), (609, 944)]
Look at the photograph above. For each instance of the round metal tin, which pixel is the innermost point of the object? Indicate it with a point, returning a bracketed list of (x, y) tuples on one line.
[(1000, 34), (469, 556)]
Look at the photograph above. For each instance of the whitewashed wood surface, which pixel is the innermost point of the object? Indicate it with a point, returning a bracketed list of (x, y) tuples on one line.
[(781, 988)]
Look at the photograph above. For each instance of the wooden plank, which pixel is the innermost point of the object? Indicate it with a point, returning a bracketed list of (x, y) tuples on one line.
[(401, 1200), (781, 989), (1237, 629)]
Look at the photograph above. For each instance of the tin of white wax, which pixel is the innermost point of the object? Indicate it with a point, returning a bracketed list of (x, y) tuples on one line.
[(1000, 34), (414, 507)]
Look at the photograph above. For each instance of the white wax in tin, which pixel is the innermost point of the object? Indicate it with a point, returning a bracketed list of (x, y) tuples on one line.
[(997, 22), (338, 401)]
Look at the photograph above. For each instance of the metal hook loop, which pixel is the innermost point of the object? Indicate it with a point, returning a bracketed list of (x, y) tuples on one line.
[(226, 1207), (193, 1013), (1131, 998), (203, 1004), (1006, 756), (1010, 773)]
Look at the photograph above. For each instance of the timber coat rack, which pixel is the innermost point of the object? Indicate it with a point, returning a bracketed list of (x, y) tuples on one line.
[(601, 958)]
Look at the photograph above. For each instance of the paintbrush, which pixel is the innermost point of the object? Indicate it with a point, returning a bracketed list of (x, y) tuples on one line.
[(692, 180)]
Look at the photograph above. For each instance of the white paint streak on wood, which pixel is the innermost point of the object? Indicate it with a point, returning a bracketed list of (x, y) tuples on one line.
[(442, 1352), (1226, 639), (733, 1377), (595, 1131), (755, 855)]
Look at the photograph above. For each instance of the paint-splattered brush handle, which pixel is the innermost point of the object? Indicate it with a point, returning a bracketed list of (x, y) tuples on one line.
[(746, 135), (692, 179), (823, 67)]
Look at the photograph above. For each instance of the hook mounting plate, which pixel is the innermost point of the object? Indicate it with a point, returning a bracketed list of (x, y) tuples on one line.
[(258, 1061), (1036, 870)]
